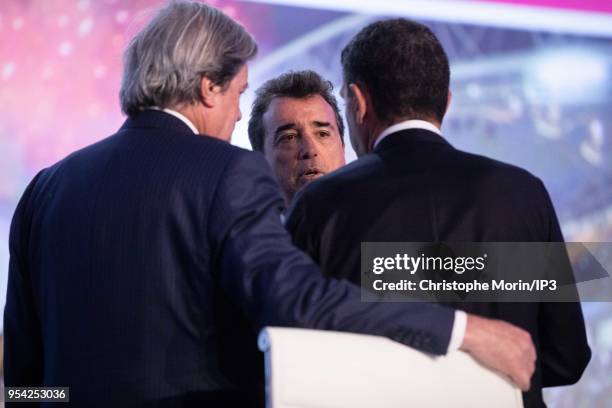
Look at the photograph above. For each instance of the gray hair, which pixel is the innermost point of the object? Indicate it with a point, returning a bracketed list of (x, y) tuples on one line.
[(165, 62)]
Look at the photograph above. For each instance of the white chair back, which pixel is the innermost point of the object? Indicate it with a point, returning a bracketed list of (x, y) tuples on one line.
[(325, 369)]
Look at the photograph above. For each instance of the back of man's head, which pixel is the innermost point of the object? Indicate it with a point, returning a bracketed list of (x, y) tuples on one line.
[(403, 67), (293, 84), (165, 62)]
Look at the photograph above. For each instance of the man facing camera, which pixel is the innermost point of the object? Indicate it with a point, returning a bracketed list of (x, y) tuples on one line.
[(296, 123), (410, 185)]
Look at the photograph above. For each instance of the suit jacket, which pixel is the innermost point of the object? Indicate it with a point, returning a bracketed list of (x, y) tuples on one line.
[(143, 266), (416, 187)]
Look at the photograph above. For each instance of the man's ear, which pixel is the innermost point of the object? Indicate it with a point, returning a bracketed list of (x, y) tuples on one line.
[(448, 101), (209, 92), (361, 104)]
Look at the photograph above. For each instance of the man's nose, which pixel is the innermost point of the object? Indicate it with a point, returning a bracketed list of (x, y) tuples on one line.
[(239, 115), (308, 147)]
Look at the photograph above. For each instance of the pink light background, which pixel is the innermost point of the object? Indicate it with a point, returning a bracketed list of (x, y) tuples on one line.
[(60, 73)]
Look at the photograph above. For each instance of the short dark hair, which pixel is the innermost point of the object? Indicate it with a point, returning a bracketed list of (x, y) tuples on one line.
[(403, 66), (293, 84)]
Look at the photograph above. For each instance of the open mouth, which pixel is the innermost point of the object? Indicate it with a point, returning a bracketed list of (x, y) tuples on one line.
[(311, 173)]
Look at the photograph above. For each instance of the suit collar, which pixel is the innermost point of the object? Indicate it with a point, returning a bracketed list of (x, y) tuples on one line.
[(410, 137), (179, 115), (151, 118), (405, 125)]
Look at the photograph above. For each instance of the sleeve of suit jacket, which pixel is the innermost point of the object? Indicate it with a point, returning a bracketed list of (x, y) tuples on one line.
[(23, 351), (278, 285), (564, 351)]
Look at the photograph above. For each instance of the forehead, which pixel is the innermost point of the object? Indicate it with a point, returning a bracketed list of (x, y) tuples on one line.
[(283, 110)]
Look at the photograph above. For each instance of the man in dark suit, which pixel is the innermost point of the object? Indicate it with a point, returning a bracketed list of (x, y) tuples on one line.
[(143, 266), (411, 185)]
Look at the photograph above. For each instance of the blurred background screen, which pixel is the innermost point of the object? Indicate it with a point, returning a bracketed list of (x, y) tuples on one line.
[(531, 84)]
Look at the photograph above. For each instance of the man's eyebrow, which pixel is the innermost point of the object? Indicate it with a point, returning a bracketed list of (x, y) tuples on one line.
[(321, 124), (286, 126)]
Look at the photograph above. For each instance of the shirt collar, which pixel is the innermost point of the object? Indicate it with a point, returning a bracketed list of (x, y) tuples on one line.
[(407, 124), (180, 116)]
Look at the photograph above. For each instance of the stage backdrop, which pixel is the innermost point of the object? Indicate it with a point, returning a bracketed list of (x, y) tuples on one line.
[(531, 83)]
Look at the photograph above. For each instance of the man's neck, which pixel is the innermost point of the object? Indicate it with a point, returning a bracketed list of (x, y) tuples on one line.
[(191, 113)]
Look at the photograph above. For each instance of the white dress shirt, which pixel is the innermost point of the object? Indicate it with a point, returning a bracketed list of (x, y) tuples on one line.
[(460, 324)]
